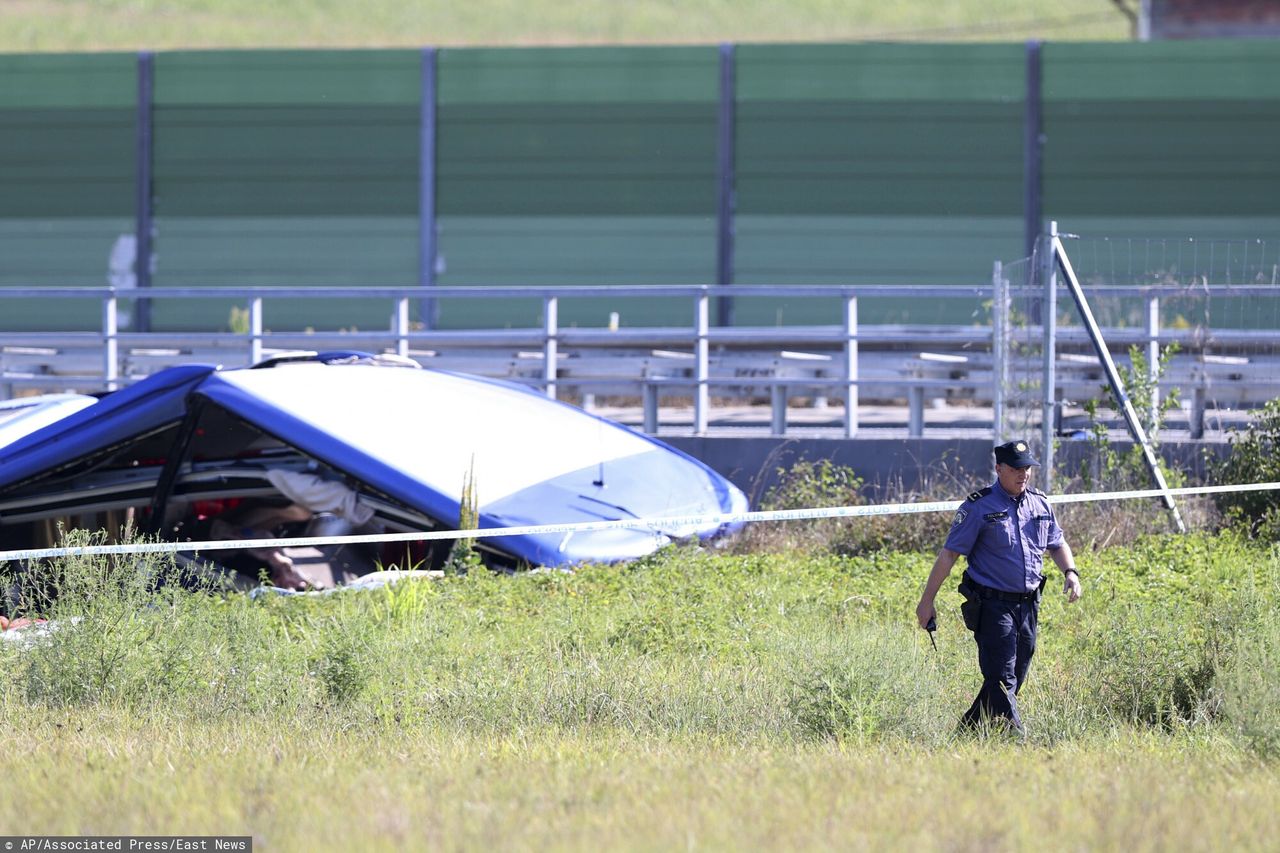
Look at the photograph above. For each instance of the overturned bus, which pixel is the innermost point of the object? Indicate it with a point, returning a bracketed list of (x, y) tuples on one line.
[(346, 442)]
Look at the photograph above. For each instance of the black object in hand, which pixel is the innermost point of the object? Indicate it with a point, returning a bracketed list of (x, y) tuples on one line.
[(931, 626)]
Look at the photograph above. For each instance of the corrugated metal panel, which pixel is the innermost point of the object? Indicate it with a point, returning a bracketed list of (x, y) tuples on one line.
[(855, 163)]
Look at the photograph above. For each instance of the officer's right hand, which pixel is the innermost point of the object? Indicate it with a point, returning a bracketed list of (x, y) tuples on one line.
[(924, 612)]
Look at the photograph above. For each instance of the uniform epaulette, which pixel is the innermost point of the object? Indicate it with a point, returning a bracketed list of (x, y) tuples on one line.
[(1036, 492), (980, 494)]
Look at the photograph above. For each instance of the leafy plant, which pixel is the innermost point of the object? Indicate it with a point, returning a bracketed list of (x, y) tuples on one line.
[(1254, 456), (1129, 469), (826, 484)]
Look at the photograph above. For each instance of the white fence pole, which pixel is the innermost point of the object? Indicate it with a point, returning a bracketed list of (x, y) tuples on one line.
[(550, 329), (110, 343), (402, 327), (850, 366), (255, 330), (999, 349), (1153, 357), (702, 358)]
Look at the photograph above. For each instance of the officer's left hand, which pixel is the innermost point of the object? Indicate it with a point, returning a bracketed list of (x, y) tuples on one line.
[(1071, 586)]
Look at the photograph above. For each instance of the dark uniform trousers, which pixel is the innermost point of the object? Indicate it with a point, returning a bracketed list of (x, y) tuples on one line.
[(1006, 638)]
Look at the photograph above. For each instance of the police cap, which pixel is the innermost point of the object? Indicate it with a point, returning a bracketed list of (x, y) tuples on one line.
[(1016, 453)]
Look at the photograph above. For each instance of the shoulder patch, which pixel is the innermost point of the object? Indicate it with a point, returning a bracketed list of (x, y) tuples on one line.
[(980, 494)]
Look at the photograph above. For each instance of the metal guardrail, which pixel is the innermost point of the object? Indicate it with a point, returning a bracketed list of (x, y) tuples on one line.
[(753, 358)]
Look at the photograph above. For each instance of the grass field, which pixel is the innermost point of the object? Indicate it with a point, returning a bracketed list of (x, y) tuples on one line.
[(94, 25), (694, 699)]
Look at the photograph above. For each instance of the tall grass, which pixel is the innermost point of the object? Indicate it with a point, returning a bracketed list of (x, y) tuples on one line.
[(745, 647), (694, 698)]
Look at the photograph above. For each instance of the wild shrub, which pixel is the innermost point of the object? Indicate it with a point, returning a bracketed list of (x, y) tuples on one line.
[(825, 484), (1110, 469), (1254, 457)]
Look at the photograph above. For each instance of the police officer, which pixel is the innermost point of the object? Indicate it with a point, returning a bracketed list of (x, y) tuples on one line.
[(1003, 531)]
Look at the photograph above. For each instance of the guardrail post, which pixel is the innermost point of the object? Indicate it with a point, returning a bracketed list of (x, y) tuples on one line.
[(850, 366), (402, 326), (1153, 357), (650, 395), (915, 411), (550, 328), (110, 343), (1196, 426), (999, 349), (702, 360), (778, 409), (255, 330)]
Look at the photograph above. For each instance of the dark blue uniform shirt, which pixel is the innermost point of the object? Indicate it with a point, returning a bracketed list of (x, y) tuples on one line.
[(1005, 538)]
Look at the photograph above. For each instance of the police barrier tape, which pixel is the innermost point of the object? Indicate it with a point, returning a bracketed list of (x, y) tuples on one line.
[(655, 525)]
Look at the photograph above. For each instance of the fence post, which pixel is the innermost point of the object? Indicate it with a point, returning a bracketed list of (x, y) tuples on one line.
[(110, 342), (915, 411), (999, 349), (1049, 317), (402, 327), (850, 366), (1153, 357), (650, 405), (778, 395), (255, 330), (550, 328), (702, 358)]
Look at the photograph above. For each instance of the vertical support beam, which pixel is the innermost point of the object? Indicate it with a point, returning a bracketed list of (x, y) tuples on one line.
[(650, 403), (850, 366), (1059, 254), (702, 362), (999, 349), (778, 409), (427, 230), (110, 343), (1153, 355), (255, 330), (915, 411), (402, 327), (1032, 149), (1049, 319), (1196, 425), (550, 350), (142, 179), (725, 179)]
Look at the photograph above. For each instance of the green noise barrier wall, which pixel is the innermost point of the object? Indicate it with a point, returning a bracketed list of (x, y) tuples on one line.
[(843, 164)]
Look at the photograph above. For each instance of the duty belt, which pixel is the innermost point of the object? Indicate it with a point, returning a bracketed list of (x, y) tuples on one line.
[(1001, 595)]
